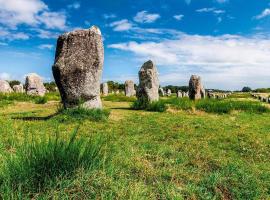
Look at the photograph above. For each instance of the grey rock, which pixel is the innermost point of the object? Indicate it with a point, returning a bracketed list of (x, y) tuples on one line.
[(169, 92), (148, 83), (161, 92), (5, 87), (34, 85), (196, 90), (18, 88), (129, 88), (179, 94), (105, 89), (78, 67)]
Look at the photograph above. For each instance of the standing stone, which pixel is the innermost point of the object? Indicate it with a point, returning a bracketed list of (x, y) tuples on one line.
[(179, 94), (148, 83), (117, 92), (34, 85), (169, 92), (196, 90), (161, 92), (105, 89), (5, 87), (129, 88), (18, 88), (78, 67)]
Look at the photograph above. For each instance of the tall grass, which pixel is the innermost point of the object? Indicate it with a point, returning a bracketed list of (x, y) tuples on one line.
[(23, 97), (180, 104), (119, 98), (156, 106), (39, 165), (216, 106)]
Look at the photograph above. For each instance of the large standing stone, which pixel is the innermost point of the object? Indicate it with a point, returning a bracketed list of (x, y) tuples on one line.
[(179, 94), (129, 88), (18, 88), (149, 83), (105, 89), (5, 87), (169, 92), (34, 85), (161, 92), (78, 67), (196, 90)]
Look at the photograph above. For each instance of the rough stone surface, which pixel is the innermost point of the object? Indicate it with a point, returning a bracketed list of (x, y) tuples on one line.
[(148, 83), (169, 92), (5, 87), (161, 92), (196, 90), (105, 89), (129, 88), (18, 88), (179, 94), (34, 85), (78, 67)]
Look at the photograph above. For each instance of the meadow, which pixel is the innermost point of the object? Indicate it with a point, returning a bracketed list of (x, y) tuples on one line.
[(209, 149)]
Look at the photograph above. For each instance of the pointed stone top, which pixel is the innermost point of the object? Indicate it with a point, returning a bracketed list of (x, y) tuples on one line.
[(95, 29), (148, 65)]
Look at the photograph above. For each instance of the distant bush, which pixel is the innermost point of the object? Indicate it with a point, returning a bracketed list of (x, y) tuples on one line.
[(119, 98), (246, 89), (81, 113), (39, 165)]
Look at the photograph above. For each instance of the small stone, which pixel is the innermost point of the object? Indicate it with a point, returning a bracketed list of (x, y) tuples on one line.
[(34, 85), (5, 87)]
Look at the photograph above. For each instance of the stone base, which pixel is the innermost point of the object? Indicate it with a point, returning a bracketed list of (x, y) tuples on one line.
[(93, 103)]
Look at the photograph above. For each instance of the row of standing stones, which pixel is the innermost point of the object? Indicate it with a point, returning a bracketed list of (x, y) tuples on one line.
[(78, 67), (33, 86), (261, 98)]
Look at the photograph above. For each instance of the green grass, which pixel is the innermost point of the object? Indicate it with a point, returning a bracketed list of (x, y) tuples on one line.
[(142, 155), (240, 95), (80, 113), (39, 165), (156, 106), (23, 97), (118, 98), (217, 106)]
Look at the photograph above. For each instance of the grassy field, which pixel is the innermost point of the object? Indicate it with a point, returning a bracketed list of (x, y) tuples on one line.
[(204, 150)]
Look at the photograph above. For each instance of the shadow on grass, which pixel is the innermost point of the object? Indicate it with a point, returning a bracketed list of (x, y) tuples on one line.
[(36, 118)]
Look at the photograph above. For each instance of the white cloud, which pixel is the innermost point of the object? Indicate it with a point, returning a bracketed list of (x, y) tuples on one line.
[(44, 34), (212, 10), (31, 13), (45, 46), (11, 35), (109, 16), (264, 14), (223, 61), (75, 5), (3, 44), (122, 25), (222, 1), (145, 17), (205, 10), (53, 20), (5, 76), (178, 17)]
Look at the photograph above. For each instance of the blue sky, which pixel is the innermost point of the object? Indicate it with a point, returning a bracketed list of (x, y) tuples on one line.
[(225, 41)]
